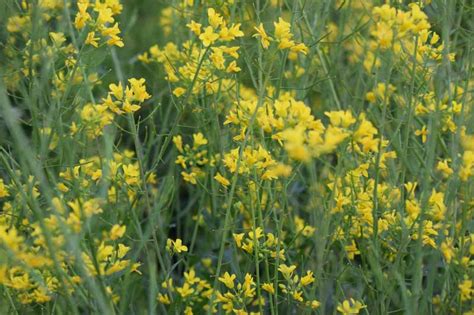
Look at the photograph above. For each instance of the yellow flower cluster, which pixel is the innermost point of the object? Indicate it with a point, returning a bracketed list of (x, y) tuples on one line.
[(33, 255), (240, 297), (282, 35), (95, 117), (192, 159), (197, 67), (260, 243), (193, 293), (98, 20)]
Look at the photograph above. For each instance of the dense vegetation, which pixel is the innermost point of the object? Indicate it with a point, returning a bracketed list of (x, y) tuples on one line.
[(246, 157)]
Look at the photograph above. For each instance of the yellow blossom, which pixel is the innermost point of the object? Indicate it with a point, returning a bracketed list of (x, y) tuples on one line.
[(215, 19), (268, 287), (465, 288), (264, 38), (194, 27), (307, 279), (208, 37), (3, 189), (176, 246), (350, 307), (423, 133), (287, 271), (185, 291), (117, 231), (228, 280), (221, 179), (199, 140)]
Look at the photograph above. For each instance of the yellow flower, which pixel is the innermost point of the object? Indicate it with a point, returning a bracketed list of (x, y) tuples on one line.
[(82, 16), (231, 51), (297, 296), (10, 238), (116, 90), (179, 91), (286, 43), (264, 38), (189, 177), (199, 140), (350, 307), (465, 288), (232, 67), (92, 40), (178, 142), (370, 96), (134, 268), (221, 179), (268, 287), (423, 133), (185, 290), (279, 170), (215, 19), (228, 280), (208, 37), (194, 27), (314, 304), (444, 168), (447, 249), (117, 231), (179, 247), (3, 189), (167, 284), (302, 48), (287, 271), (228, 34), (257, 234), (352, 250), (176, 246), (129, 107), (282, 30), (112, 33), (308, 279), (117, 267), (105, 15), (131, 173), (238, 239), (57, 38), (341, 118), (137, 90), (163, 298), (40, 295), (217, 58)]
